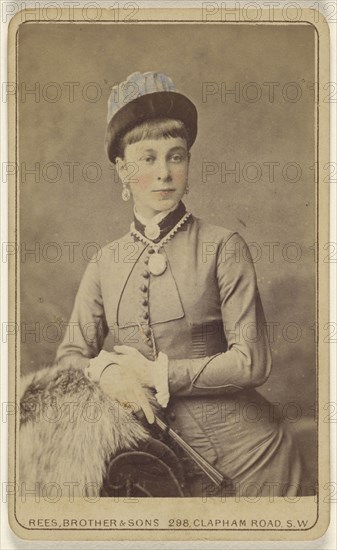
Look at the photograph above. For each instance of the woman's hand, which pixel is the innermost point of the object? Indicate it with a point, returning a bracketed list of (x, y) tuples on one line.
[(123, 386), (130, 358)]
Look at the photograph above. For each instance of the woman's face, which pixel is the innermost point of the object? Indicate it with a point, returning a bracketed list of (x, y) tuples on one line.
[(156, 171)]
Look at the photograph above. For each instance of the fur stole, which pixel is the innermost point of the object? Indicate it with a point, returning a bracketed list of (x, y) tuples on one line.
[(68, 430)]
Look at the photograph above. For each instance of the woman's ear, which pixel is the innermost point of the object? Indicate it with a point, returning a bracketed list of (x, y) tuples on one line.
[(120, 166)]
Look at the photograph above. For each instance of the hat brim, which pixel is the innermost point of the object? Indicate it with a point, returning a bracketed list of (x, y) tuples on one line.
[(171, 105)]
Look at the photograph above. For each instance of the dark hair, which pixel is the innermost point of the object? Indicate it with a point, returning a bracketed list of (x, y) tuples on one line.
[(159, 128)]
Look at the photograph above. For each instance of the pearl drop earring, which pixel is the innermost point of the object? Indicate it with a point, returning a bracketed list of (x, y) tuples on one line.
[(126, 193)]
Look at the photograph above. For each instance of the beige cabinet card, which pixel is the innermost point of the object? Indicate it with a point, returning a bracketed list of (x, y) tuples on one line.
[(169, 251)]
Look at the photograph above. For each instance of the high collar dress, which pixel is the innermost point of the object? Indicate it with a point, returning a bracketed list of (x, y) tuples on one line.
[(205, 313)]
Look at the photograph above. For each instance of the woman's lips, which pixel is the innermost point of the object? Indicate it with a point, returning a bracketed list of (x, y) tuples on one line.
[(164, 192)]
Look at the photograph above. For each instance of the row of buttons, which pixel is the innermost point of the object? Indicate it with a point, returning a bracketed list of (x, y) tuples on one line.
[(146, 329), (144, 288)]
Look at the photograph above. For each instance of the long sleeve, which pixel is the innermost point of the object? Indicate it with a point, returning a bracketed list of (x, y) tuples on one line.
[(87, 328), (247, 361)]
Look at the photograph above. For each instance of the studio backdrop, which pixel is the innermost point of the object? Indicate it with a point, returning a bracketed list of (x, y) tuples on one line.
[(252, 168)]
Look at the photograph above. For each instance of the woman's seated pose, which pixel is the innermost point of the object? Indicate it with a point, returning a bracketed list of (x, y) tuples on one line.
[(181, 300)]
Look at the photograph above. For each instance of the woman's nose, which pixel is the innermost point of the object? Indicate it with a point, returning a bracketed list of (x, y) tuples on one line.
[(164, 173)]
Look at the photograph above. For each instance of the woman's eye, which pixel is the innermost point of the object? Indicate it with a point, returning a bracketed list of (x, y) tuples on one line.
[(148, 159), (176, 158)]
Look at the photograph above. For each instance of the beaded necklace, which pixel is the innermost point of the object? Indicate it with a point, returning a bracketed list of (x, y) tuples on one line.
[(157, 262)]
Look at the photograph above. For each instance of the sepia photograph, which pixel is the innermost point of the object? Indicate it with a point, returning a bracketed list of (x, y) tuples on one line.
[(169, 290)]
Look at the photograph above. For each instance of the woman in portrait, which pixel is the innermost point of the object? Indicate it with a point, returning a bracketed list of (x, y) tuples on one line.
[(182, 302)]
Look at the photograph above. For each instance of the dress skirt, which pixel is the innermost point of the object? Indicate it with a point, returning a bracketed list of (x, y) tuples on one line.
[(242, 436)]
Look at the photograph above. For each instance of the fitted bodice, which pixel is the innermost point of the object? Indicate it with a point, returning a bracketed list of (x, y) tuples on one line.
[(178, 312)]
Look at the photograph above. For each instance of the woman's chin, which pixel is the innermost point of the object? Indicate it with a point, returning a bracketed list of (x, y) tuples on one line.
[(157, 206), (165, 203)]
